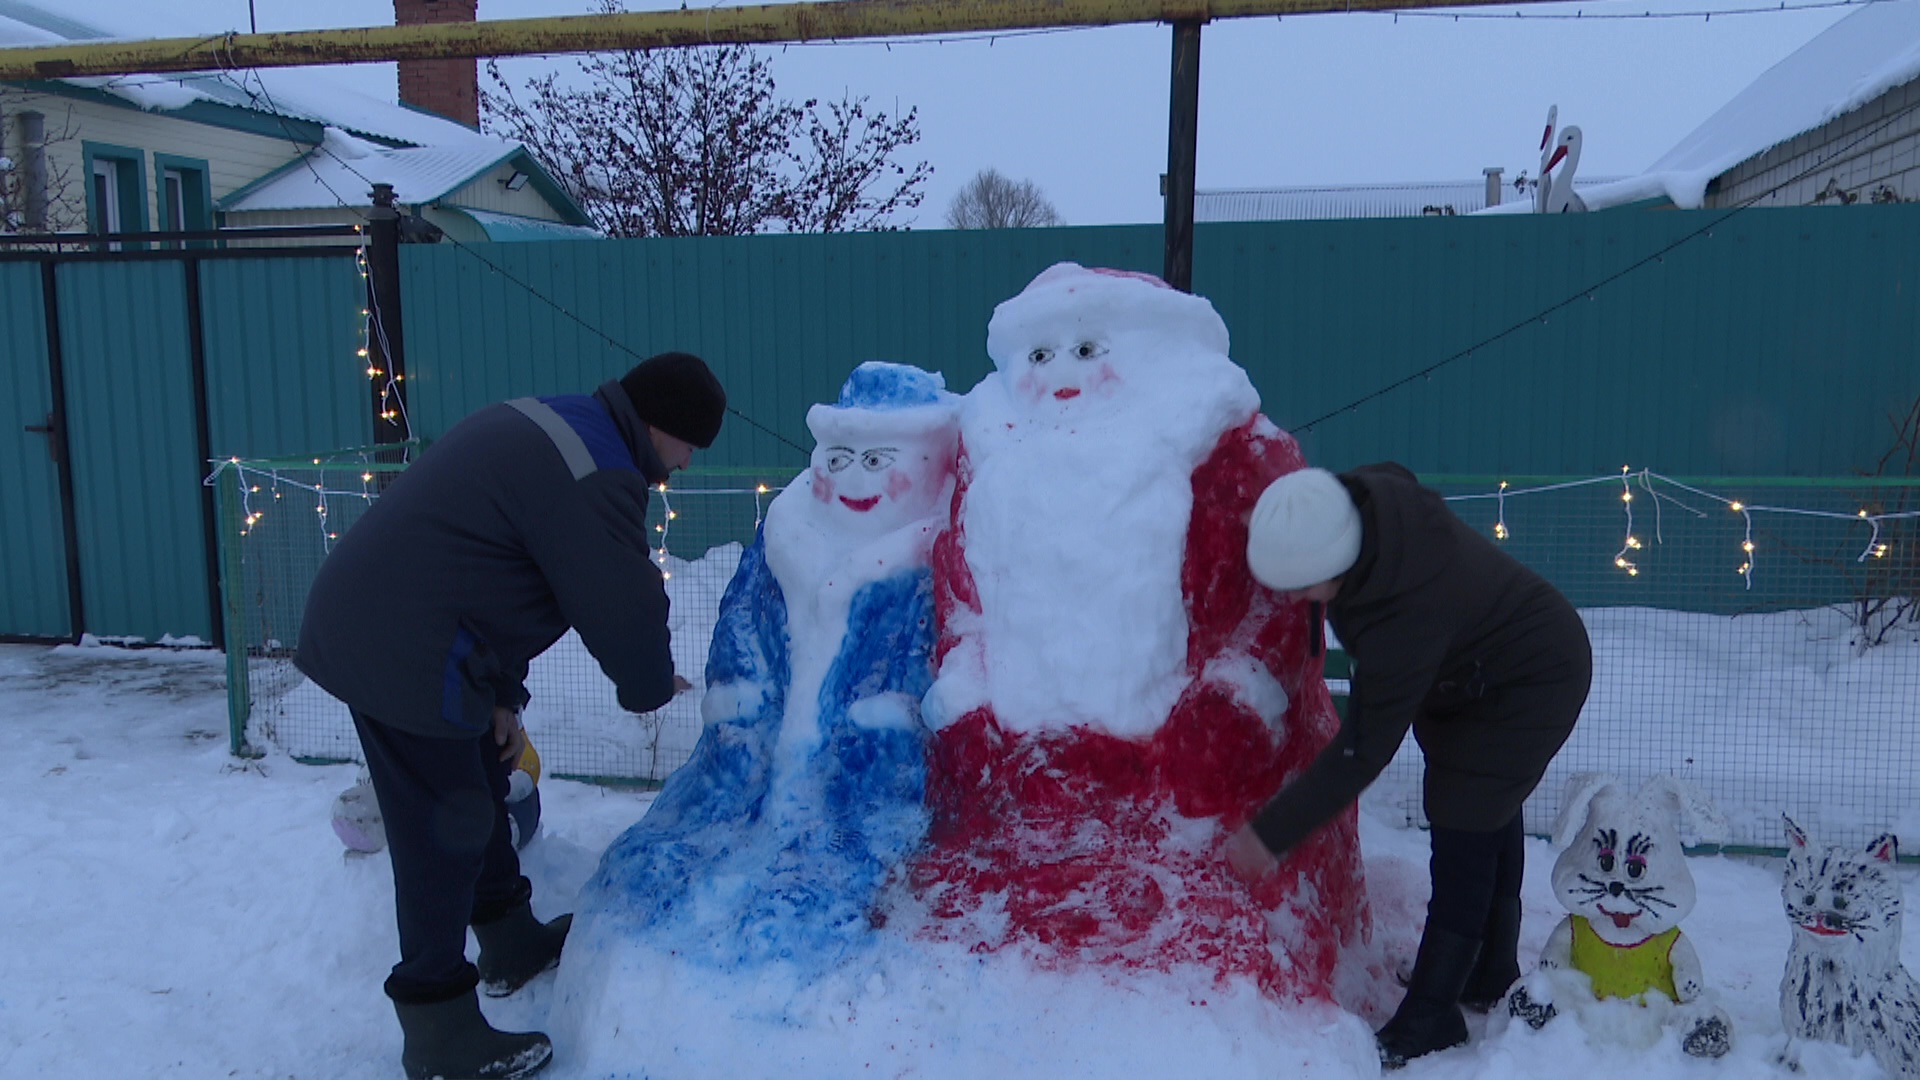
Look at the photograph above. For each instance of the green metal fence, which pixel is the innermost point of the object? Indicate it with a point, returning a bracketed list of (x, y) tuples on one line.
[(1757, 637)]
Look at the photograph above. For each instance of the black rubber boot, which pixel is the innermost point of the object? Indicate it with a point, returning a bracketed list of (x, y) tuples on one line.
[(516, 947), (451, 1039), (1499, 966), (1429, 1018)]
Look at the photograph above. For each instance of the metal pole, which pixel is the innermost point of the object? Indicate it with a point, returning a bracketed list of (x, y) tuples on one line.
[(386, 347), (62, 448), (203, 444), (1183, 130)]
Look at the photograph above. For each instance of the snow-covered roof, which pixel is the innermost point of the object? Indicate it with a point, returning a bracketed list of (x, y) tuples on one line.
[(341, 170), (1852, 62), (320, 96), (1321, 202)]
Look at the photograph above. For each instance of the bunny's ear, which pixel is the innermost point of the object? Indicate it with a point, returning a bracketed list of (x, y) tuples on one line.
[(1581, 789), (1884, 847), (1689, 806), (1796, 836)]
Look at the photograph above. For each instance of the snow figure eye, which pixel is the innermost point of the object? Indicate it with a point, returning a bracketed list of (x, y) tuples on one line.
[(839, 458), (1636, 866), (876, 460), (1089, 350), (1839, 903), (1811, 900), (1606, 862), (1039, 356)]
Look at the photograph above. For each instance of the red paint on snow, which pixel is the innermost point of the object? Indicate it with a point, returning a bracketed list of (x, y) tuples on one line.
[(1102, 850)]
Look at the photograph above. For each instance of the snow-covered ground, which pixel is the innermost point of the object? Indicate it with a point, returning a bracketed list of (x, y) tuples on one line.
[(173, 911)]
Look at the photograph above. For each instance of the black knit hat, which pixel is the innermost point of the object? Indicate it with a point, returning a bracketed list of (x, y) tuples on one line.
[(676, 393)]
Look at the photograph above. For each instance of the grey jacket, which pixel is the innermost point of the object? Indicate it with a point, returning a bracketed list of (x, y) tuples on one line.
[(525, 519)]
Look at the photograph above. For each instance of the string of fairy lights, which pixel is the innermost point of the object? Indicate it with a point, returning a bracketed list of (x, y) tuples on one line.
[(1635, 486), (1631, 544)]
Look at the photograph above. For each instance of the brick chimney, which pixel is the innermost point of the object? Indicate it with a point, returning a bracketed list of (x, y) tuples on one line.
[(449, 88)]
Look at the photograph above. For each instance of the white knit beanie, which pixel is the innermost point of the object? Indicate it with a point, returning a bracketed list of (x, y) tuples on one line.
[(1305, 530)]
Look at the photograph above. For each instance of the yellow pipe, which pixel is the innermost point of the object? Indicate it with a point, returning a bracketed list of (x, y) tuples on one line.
[(757, 24)]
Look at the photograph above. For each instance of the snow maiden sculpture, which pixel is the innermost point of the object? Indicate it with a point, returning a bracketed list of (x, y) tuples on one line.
[(1115, 692), (807, 785), (1624, 880)]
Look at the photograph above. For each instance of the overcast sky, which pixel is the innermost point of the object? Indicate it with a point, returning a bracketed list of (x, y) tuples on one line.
[(1312, 99)]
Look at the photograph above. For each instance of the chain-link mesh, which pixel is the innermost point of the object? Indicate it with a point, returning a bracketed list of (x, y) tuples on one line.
[(282, 517), (1759, 639), (1784, 676)]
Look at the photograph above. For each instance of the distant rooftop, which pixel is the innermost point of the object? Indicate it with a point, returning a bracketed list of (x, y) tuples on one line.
[(1322, 202)]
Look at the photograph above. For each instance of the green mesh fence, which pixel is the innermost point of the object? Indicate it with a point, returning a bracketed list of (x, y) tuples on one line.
[(281, 517), (1759, 638)]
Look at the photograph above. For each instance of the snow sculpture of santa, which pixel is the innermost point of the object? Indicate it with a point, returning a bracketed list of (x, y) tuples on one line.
[(1115, 692), (807, 787)]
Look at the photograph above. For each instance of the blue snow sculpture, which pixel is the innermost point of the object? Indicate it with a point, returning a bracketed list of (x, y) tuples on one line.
[(807, 787)]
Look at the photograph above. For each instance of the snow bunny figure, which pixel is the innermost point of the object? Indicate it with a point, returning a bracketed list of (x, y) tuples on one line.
[(1623, 877), (807, 787), (1844, 982)]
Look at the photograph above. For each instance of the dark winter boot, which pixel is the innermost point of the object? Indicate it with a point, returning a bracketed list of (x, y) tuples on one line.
[(451, 1039), (1499, 966), (1429, 1019), (516, 947)]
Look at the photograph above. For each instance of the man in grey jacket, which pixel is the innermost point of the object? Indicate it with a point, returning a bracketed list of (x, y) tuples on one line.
[(524, 520)]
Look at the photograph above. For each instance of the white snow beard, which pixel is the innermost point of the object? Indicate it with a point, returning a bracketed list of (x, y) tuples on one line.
[(1075, 535)]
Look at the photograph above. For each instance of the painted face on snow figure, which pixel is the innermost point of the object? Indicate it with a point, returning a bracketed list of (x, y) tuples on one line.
[(871, 487), (1059, 367)]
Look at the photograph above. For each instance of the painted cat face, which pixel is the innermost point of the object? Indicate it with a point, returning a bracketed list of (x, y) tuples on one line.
[(1841, 897), (1625, 873), (871, 489)]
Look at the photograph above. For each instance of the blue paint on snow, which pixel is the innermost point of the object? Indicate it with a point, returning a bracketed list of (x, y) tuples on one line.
[(735, 864), (880, 385)]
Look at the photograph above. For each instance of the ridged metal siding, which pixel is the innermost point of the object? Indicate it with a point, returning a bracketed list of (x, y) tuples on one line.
[(282, 338), (782, 319), (1773, 343), (33, 563), (123, 333)]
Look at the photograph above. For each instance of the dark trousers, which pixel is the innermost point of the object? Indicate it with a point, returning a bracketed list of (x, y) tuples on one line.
[(1470, 870), (444, 805)]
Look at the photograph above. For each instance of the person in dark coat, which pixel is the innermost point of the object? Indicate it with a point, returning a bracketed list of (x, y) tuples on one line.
[(1481, 657), (525, 519)]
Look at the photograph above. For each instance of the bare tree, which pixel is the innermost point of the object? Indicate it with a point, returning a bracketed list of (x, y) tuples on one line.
[(991, 201), (39, 192), (689, 142)]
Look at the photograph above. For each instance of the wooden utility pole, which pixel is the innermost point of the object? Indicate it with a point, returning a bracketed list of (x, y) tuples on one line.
[(759, 24)]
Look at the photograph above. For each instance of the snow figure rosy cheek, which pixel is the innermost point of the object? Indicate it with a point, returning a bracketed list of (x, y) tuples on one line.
[(875, 489), (1083, 370), (883, 453)]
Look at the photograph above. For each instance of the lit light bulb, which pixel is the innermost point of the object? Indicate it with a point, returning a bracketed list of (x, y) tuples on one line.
[(1735, 507), (1500, 530)]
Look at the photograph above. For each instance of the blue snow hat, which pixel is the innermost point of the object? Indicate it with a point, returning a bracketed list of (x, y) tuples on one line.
[(885, 399)]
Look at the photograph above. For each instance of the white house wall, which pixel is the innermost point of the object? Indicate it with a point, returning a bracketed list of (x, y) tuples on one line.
[(489, 192), (1874, 147), (234, 158)]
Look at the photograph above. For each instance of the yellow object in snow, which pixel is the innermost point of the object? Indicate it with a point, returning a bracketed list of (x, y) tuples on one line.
[(1624, 971), (529, 762)]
